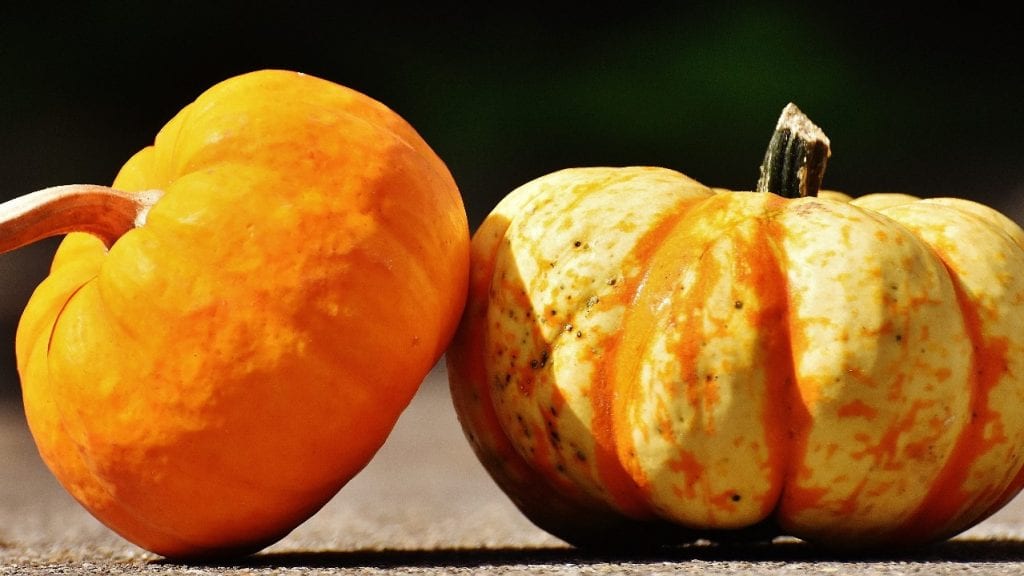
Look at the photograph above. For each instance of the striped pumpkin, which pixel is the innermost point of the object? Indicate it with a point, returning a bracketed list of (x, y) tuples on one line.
[(645, 360)]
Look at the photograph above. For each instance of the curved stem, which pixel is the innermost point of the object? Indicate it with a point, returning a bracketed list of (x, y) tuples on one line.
[(798, 151), (98, 210)]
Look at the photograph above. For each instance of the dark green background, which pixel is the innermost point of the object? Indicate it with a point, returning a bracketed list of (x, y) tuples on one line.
[(930, 103)]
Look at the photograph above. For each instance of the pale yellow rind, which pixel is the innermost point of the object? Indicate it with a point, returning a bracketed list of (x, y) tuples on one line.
[(977, 245), (881, 200), (994, 217), (696, 415), (571, 249), (880, 356)]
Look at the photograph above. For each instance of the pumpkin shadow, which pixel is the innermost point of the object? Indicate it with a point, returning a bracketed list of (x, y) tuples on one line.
[(965, 551)]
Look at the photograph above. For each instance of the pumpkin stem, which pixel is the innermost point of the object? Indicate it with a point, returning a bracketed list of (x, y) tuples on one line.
[(98, 210), (798, 151)]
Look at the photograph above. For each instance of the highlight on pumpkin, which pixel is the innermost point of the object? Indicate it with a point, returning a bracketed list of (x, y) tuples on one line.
[(645, 360)]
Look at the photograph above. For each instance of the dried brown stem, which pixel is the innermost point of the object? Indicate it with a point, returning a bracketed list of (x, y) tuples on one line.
[(98, 210), (794, 164)]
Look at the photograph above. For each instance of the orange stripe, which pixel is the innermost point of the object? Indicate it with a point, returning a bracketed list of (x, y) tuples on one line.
[(785, 418), (616, 377), (947, 508), (790, 439), (760, 266), (781, 420)]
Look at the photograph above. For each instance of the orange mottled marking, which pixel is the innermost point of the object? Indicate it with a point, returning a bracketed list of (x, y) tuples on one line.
[(857, 409), (947, 498), (886, 451), (693, 303), (615, 377), (692, 469)]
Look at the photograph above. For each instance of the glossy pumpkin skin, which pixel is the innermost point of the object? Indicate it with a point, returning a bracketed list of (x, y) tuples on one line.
[(213, 380), (644, 360)]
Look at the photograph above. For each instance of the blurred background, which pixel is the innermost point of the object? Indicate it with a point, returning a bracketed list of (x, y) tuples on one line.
[(926, 103)]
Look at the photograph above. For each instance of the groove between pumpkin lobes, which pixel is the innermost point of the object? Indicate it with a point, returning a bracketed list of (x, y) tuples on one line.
[(806, 362)]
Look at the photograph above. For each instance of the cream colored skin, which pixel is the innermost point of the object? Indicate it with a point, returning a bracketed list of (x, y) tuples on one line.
[(573, 278), (718, 359)]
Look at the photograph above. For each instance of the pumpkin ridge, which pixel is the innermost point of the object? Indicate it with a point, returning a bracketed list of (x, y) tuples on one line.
[(116, 515), (60, 312), (547, 504), (681, 457), (580, 294), (987, 298), (946, 501), (790, 442), (617, 379)]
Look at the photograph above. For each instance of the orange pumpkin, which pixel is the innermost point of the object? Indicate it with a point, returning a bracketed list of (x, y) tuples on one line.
[(645, 360), (246, 346)]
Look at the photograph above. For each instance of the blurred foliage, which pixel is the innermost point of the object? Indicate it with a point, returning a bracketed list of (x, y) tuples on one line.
[(926, 103)]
